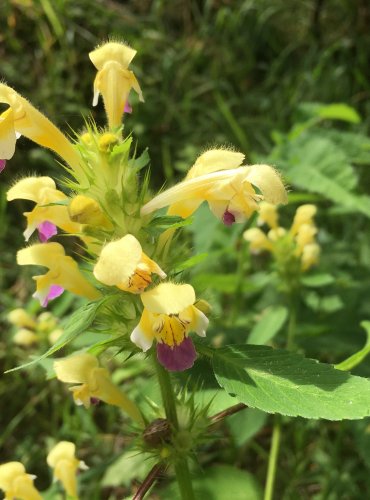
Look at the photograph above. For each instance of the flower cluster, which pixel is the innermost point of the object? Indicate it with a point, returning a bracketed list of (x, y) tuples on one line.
[(17, 484), (293, 248), (109, 210), (31, 330)]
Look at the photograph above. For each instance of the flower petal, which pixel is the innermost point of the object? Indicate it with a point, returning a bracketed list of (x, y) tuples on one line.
[(30, 188), (268, 181), (168, 298), (179, 357), (2, 165), (75, 369), (46, 230), (215, 160)]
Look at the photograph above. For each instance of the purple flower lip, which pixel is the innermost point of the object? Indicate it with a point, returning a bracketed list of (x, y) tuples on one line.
[(46, 231), (94, 401), (54, 292), (228, 218), (177, 358), (2, 165)]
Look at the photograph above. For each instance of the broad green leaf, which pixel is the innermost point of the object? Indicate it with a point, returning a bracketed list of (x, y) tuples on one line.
[(218, 483), (77, 323), (245, 424), (278, 381), (359, 356), (268, 325), (317, 280), (339, 111), (130, 465)]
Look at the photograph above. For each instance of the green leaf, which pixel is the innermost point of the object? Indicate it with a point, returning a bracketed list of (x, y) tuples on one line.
[(278, 381), (268, 325), (77, 323), (141, 161), (219, 482), (339, 111), (317, 280), (245, 424), (359, 356)]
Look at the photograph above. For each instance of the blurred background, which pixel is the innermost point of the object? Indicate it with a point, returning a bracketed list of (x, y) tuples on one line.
[(288, 83)]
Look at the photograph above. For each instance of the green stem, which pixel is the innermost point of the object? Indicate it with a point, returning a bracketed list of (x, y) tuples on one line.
[(292, 322), (181, 465), (273, 457)]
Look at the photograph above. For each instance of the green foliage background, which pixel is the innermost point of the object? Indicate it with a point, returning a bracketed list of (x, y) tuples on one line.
[(248, 73)]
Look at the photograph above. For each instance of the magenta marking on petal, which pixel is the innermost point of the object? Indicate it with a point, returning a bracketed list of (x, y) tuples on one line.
[(94, 401), (54, 292), (2, 165), (127, 108), (177, 358), (46, 230), (228, 218)]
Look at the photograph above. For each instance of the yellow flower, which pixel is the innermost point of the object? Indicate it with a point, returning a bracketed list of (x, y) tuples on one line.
[(268, 215), (42, 191), (95, 383), (22, 118), (230, 192), (258, 241), (19, 317), (86, 210), (63, 272), (114, 80), (62, 459), (16, 484), (305, 235), (25, 337), (169, 315), (310, 256), (304, 215), (123, 264)]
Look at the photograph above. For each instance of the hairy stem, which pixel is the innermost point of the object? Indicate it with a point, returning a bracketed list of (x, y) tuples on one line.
[(182, 471)]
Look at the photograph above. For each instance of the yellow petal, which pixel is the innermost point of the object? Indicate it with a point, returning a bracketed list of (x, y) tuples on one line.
[(8, 472), (86, 210), (168, 298), (214, 160), (29, 122), (268, 182), (25, 337), (62, 459), (75, 369), (118, 261), (64, 450), (20, 317), (268, 214), (257, 239), (16, 483), (112, 51), (304, 215), (63, 272), (8, 136), (310, 256), (30, 188)]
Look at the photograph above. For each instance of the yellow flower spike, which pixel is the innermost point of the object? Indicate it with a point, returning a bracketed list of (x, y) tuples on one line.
[(310, 256), (305, 235), (268, 215), (276, 234), (63, 272), (46, 321), (43, 192), (65, 464), (24, 119), (169, 315), (16, 483), (85, 210), (19, 317), (304, 215), (258, 240), (114, 80), (25, 337), (123, 264), (95, 383), (106, 141), (230, 193)]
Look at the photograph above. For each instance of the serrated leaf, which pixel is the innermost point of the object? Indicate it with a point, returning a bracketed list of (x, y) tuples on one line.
[(268, 325), (278, 381), (78, 322), (246, 424)]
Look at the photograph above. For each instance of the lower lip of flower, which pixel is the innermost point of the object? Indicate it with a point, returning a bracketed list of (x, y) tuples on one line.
[(228, 218), (177, 358)]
